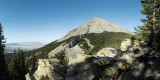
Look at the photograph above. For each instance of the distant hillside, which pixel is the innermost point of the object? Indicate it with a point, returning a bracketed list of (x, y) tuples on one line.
[(23, 45)]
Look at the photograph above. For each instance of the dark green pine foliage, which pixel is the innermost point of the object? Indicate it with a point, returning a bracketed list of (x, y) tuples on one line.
[(7, 61), (13, 67), (19, 61), (3, 68), (22, 66), (17, 67), (33, 67), (149, 33)]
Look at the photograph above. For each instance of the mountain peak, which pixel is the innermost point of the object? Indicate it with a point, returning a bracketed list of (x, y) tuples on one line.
[(98, 20), (95, 25)]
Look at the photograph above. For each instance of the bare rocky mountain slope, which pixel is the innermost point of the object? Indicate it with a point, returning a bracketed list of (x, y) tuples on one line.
[(95, 25), (74, 48), (96, 54)]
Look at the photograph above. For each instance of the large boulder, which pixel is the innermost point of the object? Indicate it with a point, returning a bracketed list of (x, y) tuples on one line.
[(78, 69), (128, 45), (109, 52), (145, 66), (81, 71), (75, 55), (110, 68), (125, 45), (129, 57), (47, 69)]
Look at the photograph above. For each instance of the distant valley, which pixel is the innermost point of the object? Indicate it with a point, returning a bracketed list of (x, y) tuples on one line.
[(23, 45)]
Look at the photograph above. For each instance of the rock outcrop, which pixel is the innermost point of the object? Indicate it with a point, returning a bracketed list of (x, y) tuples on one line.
[(47, 69), (109, 52), (74, 55), (28, 76), (125, 66), (81, 71), (125, 45), (128, 45), (144, 67)]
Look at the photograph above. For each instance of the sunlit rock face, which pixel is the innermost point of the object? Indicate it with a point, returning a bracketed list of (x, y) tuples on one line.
[(73, 53), (125, 45), (28, 77), (128, 45), (109, 52), (47, 70)]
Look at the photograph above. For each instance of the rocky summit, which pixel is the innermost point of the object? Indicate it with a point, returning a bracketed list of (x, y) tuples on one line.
[(95, 25)]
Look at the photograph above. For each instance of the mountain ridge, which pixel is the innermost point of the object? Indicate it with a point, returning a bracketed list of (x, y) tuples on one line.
[(95, 25)]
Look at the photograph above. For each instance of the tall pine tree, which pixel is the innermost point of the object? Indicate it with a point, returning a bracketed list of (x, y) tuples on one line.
[(3, 68), (33, 68), (148, 33), (13, 67), (22, 66)]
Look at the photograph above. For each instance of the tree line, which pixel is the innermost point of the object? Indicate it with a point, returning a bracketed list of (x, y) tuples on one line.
[(16, 67)]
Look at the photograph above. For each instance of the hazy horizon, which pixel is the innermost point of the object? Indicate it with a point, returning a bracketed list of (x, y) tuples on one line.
[(46, 21)]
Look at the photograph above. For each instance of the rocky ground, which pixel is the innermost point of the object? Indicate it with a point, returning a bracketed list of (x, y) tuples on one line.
[(108, 64)]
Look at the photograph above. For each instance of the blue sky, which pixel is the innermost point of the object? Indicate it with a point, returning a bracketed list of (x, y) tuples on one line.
[(48, 20)]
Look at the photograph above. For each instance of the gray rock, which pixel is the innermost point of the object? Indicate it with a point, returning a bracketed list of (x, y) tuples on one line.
[(108, 52), (95, 25), (146, 50), (29, 77), (81, 71), (47, 69)]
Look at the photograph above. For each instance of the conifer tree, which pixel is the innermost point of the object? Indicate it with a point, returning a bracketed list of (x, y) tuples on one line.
[(18, 59), (3, 68), (33, 68), (148, 33), (17, 66), (13, 67), (22, 66), (7, 61)]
